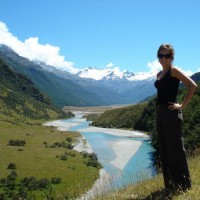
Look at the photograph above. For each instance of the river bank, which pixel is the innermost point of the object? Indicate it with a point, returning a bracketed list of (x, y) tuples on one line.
[(124, 148)]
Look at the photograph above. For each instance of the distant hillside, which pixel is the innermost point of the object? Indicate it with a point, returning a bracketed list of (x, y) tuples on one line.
[(196, 77), (20, 100), (120, 117)]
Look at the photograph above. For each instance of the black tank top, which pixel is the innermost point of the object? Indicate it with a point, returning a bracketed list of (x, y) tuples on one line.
[(167, 89)]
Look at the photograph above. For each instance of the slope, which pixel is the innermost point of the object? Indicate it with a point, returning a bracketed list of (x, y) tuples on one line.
[(20, 100), (62, 91)]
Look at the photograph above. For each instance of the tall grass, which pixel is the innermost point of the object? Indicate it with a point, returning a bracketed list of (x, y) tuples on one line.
[(153, 189)]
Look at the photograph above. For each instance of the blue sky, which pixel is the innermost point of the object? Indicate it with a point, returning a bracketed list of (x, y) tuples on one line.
[(100, 33)]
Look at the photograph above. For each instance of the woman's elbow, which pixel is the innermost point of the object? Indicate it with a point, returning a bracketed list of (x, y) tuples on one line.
[(193, 86)]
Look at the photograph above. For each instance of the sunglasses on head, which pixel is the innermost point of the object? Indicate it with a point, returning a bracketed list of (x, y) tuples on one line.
[(167, 56)]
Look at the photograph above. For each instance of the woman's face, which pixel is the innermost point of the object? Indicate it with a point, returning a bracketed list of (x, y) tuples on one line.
[(165, 57)]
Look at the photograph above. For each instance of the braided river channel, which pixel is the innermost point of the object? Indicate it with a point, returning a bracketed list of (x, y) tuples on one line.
[(126, 156)]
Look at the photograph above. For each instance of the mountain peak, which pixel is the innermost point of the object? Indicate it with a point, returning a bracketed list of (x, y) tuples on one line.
[(110, 73)]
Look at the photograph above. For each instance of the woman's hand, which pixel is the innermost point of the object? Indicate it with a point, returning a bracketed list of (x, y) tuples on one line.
[(174, 106)]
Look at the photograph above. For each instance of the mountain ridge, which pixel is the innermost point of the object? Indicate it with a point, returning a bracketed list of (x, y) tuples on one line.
[(114, 74), (21, 101), (59, 89), (66, 89)]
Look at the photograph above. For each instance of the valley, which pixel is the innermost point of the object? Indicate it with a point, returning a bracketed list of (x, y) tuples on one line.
[(32, 95), (92, 109)]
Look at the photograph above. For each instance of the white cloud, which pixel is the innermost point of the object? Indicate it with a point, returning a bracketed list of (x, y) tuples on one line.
[(33, 50), (154, 66), (50, 55), (109, 65)]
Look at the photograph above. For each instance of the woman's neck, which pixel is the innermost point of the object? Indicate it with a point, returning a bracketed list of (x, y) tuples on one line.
[(166, 67)]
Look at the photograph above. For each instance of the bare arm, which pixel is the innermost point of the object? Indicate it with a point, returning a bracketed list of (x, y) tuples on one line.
[(189, 83)]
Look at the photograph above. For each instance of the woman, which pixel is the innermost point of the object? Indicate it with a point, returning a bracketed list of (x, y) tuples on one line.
[(169, 118)]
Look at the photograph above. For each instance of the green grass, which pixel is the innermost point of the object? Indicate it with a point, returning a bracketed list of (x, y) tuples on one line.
[(153, 189), (34, 159)]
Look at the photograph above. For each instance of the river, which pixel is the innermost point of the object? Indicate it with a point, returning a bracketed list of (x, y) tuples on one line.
[(126, 156)]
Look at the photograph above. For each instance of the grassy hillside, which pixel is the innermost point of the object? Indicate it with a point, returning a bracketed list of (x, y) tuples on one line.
[(153, 189), (120, 118), (37, 162), (21, 101), (43, 159)]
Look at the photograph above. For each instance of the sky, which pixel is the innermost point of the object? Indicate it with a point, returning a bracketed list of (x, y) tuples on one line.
[(76, 34)]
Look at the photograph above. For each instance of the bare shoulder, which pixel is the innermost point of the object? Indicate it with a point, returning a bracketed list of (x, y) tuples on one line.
[(175, 72)]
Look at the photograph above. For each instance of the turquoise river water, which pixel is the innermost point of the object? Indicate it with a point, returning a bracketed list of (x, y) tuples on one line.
[(138, 168)]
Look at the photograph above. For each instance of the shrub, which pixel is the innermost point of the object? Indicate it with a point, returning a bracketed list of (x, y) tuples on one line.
[(93, 156), (92, 163), (12, 175), (2, 196), (69, 139), (84, 154), (55, 180), (63, 157), (70, 154), (2, 181), (11, 166), (69, 146), (27, 180), (16, 142), (31, 183), (43, 183)]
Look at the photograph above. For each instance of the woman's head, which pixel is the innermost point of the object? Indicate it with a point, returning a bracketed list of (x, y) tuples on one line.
[(167, 51)]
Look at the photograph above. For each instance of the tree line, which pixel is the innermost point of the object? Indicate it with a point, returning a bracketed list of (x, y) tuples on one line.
[(142, 117)]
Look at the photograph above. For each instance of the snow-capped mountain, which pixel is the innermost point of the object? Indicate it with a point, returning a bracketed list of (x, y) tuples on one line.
[(88, 87), (114, 74), (132, 87)]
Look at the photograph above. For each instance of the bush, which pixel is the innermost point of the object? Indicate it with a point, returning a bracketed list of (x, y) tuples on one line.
[(43, 183), (69, 139), (93, 156), (92, 163), (69, 146), (33, 184), (84, 154), (70, 154), (28, 182), (11, 166), (12, 175), (55, 180), (92, 159), (63, 157), (16, 142)]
